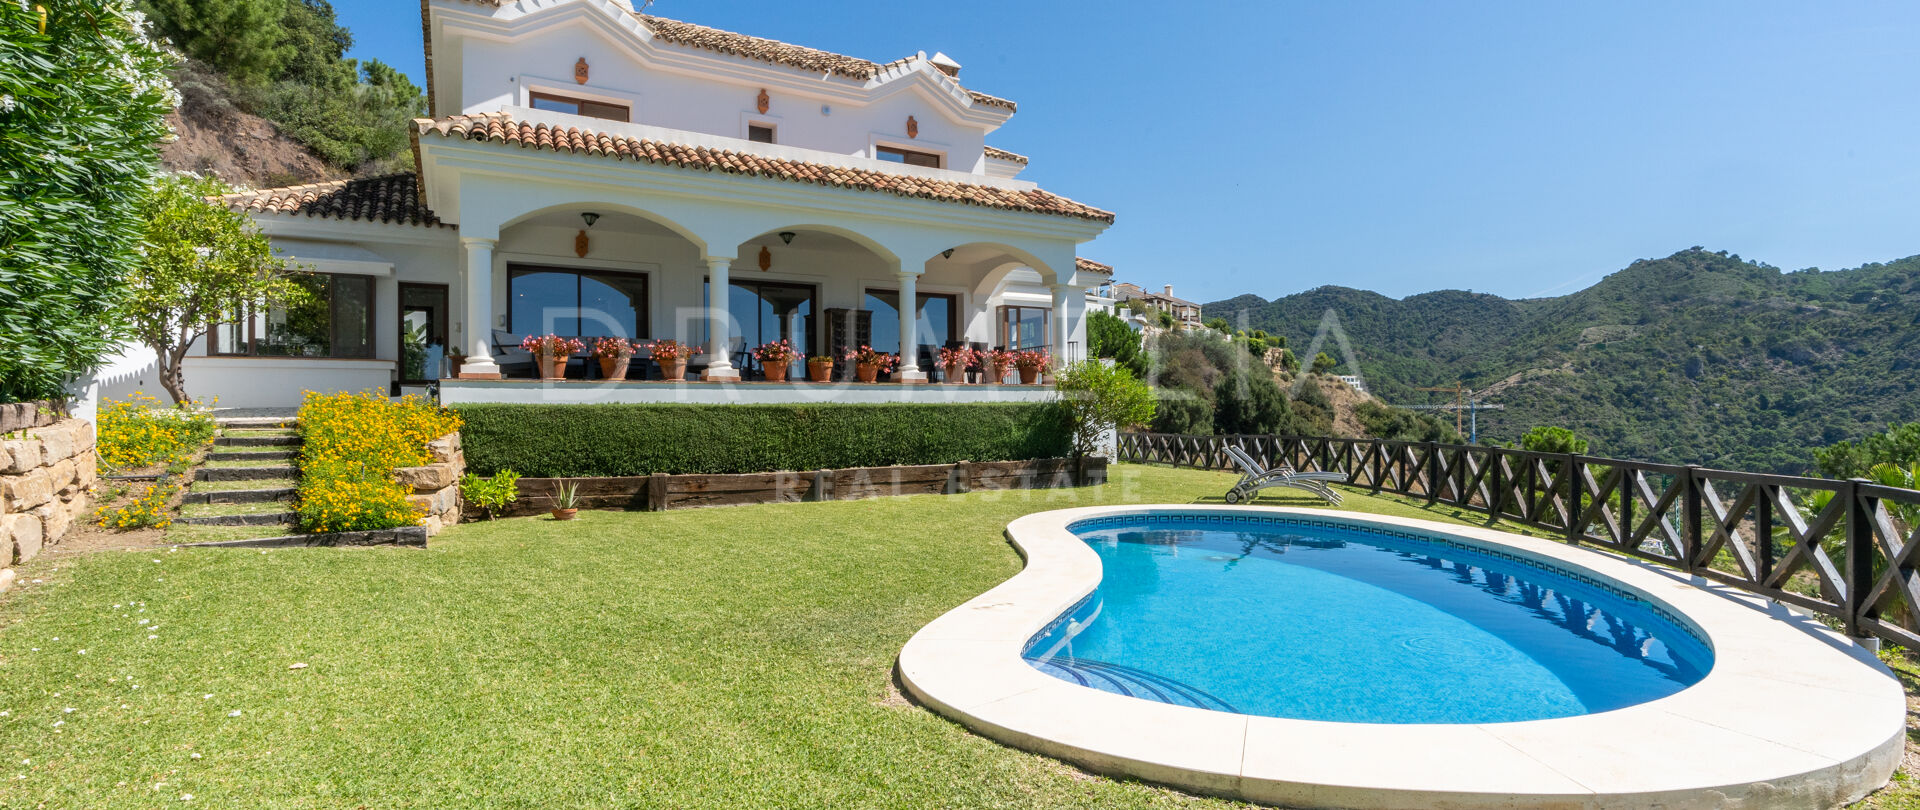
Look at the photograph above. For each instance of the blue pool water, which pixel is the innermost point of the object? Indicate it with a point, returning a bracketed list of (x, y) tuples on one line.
[(1322, 621)]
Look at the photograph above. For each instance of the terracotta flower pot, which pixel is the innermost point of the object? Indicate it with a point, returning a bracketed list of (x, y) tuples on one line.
[(956, 373), (565, 514), (867, 372), (820, 372), (1029, 376), (552, 367), (613, 368), (675, 370), (776, 372), (997, 373)]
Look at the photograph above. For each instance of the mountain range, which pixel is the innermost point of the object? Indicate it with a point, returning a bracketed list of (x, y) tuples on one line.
[(1697, 358)]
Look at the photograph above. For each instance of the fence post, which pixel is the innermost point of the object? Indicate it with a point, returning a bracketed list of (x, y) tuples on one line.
[(1859, 557), (1763, 529), (1572, 474), (1433, 472), (1690, 518), (1498, 492)]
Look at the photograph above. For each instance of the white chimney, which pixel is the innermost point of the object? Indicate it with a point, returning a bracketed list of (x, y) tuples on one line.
[(946, 64), (1169, 290)]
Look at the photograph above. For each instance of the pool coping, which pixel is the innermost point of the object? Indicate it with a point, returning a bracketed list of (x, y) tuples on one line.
[(1792, 714)]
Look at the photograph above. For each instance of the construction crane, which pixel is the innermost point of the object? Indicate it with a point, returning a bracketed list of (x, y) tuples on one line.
[(1464, 404)]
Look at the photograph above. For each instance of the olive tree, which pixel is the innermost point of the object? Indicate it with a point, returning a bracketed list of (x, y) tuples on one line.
[(83, 100), (1098, 397), (201, 264)]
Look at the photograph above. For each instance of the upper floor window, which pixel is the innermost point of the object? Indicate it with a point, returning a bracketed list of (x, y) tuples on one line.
[(580, 106), (908, 156), (760, 133)]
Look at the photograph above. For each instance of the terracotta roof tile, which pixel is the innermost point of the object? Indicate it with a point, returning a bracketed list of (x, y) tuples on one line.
[(389, 198), (1086, 265), (997, 153), (502, 128)]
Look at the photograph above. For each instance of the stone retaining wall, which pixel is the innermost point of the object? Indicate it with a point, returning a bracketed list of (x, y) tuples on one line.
[(47, 470), (436, 486)]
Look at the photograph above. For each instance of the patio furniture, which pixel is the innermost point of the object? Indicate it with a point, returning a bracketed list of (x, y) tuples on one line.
[(1257, 477), (508, 355)]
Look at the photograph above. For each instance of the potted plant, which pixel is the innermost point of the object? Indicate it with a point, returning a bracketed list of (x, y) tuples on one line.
[(454, 361), (819, 369), (1031, 363), (566, 500), (613, 354), (869, 362), (996, 362), (956, 361), (672, 357), (550, 353), (775, 356)]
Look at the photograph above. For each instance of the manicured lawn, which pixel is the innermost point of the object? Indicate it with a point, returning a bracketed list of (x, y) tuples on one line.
[(720, 658)]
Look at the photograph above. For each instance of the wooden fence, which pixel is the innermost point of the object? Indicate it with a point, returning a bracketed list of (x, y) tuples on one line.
[(1845, 549)]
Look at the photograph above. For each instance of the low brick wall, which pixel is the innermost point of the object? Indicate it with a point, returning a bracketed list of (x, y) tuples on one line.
[(47, 472), (661, 491), (436, 486)]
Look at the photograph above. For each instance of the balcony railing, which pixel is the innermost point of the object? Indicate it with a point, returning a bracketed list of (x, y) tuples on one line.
[(1842, 549)]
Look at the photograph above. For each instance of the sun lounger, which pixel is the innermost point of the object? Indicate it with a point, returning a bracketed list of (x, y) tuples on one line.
[(1256, 477)]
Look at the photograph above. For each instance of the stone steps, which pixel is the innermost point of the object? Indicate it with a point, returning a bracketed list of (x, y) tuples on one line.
[(262, 473), (252, 455), (266, 495), (288, 440), (281, 519), (248, 422)]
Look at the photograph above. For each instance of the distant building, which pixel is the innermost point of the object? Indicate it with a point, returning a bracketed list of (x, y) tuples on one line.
[(1354, 382), (1186, 313)]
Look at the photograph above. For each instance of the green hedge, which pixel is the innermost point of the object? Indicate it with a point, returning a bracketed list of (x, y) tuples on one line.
[(563, 441)]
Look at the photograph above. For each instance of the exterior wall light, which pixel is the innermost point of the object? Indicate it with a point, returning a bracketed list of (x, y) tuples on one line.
[(787, 237)]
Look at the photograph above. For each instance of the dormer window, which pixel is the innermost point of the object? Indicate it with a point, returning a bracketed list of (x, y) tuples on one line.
[(908, 156), (760, 133), (580, 106)]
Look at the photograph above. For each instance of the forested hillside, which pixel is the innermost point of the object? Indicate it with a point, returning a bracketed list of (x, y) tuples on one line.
[(269, 97), (1699, 357)]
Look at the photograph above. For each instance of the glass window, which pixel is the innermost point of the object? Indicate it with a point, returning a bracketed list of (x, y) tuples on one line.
[(333, 318), (579, 106), (576, 303), (766, 311), (1024, 327), (760, 133), (936, 319), (908, 156)]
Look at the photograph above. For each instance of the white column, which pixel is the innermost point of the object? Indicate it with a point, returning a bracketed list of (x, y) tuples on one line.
[(719, 321), (909, 370), (479, 363), (1062, 318)]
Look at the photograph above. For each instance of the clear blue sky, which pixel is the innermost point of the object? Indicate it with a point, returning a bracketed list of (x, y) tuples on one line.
[(1520, 148)]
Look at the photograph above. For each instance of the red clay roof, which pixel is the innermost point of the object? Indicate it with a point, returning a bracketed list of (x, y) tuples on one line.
[(771, 51), (389, 198), (503, 129), (1002, 154), (1086, 265)]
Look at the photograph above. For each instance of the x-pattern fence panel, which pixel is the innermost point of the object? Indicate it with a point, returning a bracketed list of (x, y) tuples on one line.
[(1846, 549)]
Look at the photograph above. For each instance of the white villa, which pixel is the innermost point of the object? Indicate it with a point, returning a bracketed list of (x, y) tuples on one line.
[(592, 171)]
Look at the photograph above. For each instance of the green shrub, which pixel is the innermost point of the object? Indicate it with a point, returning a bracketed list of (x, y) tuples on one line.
[(1098, 397), (491, 494), (574, 441)]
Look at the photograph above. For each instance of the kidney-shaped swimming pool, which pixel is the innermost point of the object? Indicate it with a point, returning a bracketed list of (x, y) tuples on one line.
[(1309, 619)]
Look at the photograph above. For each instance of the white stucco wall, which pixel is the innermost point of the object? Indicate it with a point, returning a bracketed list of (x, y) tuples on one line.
[(841, 117)]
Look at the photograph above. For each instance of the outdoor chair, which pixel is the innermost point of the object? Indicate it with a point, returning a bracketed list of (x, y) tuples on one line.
[(508, 355), (1256, 477)]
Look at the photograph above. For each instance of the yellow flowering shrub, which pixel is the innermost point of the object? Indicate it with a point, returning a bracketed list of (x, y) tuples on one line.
[(139, 432), (352, 444), (151, 508)]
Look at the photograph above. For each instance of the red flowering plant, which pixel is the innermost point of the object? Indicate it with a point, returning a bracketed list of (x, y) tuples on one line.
[(612, 347), (962, 356), (869, 356), (998, 358), (552, 345), (776, 353), (1032, 360), (667, 351)]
